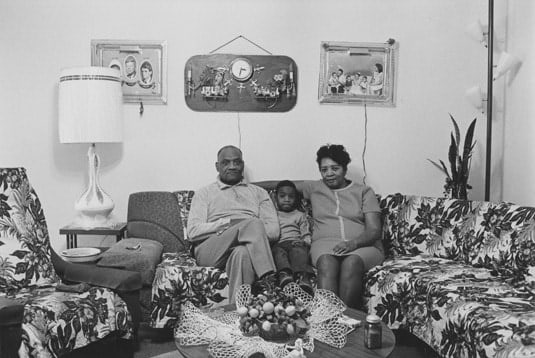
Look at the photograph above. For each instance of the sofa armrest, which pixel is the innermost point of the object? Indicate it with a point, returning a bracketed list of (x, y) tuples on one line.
[(10, 312), (112, 278)]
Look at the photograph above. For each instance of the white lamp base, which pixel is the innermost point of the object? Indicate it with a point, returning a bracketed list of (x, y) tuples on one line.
[(95, 205)]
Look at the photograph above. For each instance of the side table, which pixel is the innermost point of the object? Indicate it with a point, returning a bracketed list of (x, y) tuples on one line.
[(72, 232)]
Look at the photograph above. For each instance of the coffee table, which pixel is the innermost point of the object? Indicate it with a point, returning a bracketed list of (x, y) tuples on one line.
[(353, 348)]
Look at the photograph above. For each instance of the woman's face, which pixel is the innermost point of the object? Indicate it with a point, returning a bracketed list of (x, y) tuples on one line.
[(332, 173)]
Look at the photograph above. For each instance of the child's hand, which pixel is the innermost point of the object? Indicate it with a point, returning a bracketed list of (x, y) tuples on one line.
[(307, 240)]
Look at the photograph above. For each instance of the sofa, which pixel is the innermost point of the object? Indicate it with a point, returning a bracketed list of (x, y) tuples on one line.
[(458, 274), (50, 307)]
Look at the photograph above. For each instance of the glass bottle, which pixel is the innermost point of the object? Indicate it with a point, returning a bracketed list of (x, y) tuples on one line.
[(373, 332)]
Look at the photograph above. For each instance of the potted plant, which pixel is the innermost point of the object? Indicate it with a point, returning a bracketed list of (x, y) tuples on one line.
[(460, 160)]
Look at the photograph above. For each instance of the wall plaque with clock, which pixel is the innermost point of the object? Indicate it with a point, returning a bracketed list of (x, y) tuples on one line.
[(240, 83)]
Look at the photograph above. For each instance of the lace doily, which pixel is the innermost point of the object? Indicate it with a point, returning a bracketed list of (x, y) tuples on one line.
[(221, 331)]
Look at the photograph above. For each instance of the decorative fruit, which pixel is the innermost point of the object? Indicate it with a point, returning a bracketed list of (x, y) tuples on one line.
[(253, 312), (266, 326), (273, 315), (268, 307), (290, 310), (242, 311), (290, 329)]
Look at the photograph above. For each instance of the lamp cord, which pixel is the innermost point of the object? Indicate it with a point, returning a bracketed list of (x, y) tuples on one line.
[(365, 143), (239, 130)]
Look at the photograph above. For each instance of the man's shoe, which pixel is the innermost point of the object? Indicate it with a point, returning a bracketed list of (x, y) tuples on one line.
[(265, 284), (285, 278)]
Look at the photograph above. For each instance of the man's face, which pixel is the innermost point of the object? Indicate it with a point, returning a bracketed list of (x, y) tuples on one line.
[(130, 67), (145, 73), (230, 166)]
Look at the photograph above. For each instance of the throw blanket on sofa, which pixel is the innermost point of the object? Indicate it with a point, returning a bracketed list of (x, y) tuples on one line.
[(458, 275)]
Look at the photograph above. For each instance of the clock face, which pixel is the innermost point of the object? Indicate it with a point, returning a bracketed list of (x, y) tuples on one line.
[(241, 69)]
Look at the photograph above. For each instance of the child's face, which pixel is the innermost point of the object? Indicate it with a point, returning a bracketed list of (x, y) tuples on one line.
[(286, 198)]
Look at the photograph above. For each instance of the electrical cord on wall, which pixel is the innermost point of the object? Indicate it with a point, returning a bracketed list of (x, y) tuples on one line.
[(239, 130), (365, 143)]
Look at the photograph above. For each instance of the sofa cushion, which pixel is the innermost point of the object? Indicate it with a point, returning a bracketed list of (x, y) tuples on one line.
[(503, 240), (458, 310), (415, 225), (24, 242)]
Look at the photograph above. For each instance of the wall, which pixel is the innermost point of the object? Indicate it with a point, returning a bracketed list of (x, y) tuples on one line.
[(519, 151), (172, 147)]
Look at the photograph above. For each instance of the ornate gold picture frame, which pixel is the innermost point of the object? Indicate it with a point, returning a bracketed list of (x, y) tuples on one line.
[(358, 73), (143, 67)]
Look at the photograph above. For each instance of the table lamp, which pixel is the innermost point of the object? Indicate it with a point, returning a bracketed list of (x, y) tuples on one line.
[(91, 111)]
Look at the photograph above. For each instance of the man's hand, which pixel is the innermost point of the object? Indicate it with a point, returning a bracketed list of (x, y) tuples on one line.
[(222, 225), (345, 247)]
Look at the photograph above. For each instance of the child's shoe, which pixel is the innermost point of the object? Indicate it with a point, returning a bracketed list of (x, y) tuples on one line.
[(285, 278), (305, 284)]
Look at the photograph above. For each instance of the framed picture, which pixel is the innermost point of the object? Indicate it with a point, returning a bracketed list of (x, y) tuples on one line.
[(240, 83), (143, 67), (358, 73)]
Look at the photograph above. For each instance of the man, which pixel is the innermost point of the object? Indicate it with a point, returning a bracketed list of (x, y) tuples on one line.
[(231, 224), (130, 68), (341, 81)]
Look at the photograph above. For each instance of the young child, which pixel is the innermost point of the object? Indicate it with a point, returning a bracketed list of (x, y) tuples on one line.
[(291, 251)]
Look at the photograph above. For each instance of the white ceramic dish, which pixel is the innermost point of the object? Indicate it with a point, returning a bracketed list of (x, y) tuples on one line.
[(81, 254)]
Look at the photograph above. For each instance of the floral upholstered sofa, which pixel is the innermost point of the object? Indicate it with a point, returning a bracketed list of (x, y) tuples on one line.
[(459, 275), (52, 322)]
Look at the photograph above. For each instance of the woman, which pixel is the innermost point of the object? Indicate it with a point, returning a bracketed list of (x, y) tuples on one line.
[(376, 83), (346, 239)]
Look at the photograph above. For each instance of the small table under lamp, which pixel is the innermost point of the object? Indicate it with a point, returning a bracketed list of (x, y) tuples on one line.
[(91, 111)]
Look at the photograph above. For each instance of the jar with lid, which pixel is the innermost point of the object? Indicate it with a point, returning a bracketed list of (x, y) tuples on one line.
[(373, 332)]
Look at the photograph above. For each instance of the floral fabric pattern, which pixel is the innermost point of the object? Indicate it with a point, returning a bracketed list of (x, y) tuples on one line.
[(55, 323), (178, 279), (458, 275), (24, 245)]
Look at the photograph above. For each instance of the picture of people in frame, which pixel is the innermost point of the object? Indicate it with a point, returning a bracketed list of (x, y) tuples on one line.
[(355, 75), (130, 69), (146, 80), (116, 64)]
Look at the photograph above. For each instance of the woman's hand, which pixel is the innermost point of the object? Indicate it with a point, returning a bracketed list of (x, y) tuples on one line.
[(345, 247)]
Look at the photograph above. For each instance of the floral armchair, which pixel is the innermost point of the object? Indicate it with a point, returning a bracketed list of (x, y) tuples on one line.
[(39, 315)]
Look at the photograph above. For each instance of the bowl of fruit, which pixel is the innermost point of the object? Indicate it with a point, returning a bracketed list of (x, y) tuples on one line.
[(274, 316)]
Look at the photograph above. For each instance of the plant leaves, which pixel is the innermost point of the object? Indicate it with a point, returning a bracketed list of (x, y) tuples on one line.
[(468, 147), (453, 153), (457, 132), (442, 169)]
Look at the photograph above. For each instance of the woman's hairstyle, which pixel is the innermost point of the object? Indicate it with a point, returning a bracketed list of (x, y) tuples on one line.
[(379, 67), (335, 152), (146, 65)]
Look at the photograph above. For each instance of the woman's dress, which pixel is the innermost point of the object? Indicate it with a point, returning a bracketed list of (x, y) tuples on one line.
[(338, 216)]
